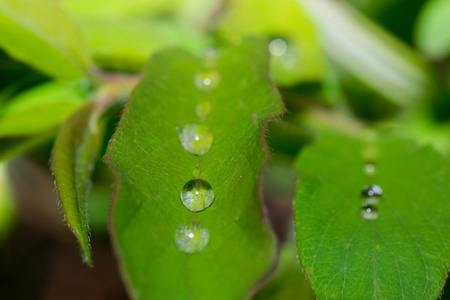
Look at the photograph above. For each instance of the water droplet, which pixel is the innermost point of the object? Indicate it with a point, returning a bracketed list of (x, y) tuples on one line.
[(195, 138), (197, 195), (369, 212), (191, 239), (371, 193), (207, 80), (209, 55), (209, 52), (277, 47), (288, 60), (203, 109), (369, 169)]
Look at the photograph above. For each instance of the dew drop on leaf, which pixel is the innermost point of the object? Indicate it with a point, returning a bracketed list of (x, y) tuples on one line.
[(370, 169), (207, 80), (369, 212), (197, 195), (371, 194), (192, 238), (277, 47), (195, 138)]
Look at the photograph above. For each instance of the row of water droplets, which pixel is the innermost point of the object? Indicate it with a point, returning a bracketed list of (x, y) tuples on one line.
[(285, 53), (371, 194), (196, 138)]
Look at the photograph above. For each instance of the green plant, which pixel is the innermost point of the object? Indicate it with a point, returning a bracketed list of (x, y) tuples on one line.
[(333, 96)]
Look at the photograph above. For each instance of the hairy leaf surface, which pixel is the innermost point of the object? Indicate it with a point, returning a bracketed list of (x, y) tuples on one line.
[(153, 168), (404, 254), (76, 149)]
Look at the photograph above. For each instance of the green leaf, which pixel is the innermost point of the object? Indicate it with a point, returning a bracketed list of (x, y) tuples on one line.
[(284, 19), (153, 167), (41, 35), (39, 109), (10, 147), (402, 254), (124, 44), (432, 34), (120, 8), (75, 152), (369, 53)]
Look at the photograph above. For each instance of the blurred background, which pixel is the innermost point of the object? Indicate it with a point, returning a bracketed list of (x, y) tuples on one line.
[(371, 61)]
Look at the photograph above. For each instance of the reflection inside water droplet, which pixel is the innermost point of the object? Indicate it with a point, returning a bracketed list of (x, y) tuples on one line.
[(197, 195), (369, 212), (277, 47), (195, 138), (202, 110), (192, 238), (207, 80), (371, 194)]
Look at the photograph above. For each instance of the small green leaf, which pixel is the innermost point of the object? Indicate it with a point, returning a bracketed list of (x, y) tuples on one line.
[(75, 152), (39, 109), (41, 35), (404, 253), (432, 32), (369, 53), (147, 154), (124, 44), (10, 147)]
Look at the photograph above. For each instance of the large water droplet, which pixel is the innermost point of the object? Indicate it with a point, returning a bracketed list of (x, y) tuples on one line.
[(371, 193), (202, 110), (192, 238), (277, 47), (207, 80), (195, 138), (197, 195), (369, 212)]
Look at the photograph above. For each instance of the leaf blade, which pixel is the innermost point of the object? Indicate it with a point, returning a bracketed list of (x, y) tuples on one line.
[(39, 109), (401, 254), (24, 32), (148, 210), (76, 149)]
